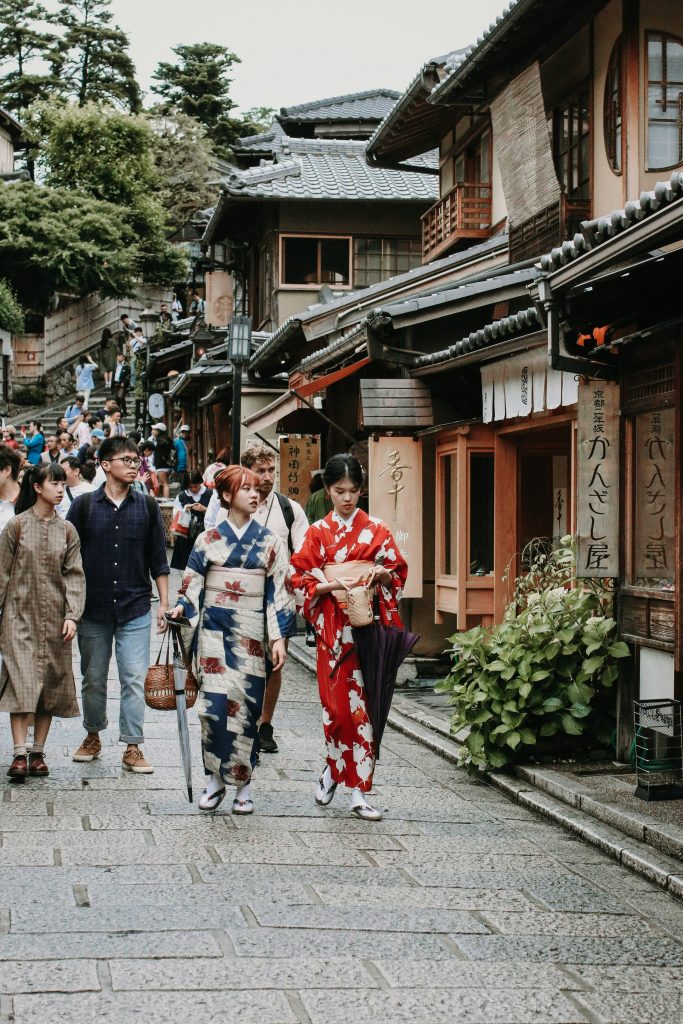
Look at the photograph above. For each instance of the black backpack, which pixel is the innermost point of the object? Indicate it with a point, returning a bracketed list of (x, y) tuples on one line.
[(288, 515)]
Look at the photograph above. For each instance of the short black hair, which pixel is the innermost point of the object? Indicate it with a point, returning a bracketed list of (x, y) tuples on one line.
[(70, 460), (112, 446)]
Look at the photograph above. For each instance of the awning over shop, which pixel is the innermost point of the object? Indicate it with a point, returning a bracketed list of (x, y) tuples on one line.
[(523, 384), (273, 413), (313, 387), (216, 394)]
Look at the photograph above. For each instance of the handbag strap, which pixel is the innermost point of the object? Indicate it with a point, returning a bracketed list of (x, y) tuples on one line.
[(179, 647), (166, 640)]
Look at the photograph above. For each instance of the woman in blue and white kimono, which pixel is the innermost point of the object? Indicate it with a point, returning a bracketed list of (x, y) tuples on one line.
[(237, 596)]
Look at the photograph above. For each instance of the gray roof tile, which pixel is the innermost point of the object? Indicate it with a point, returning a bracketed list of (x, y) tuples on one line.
[(601, 229), (371, 105), (327, 169), (525, 321)]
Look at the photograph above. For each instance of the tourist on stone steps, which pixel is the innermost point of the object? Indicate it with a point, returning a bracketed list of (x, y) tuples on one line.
[(349, 545), (121, 381), (109, 348), (236, 595), (10, 464), (287, 520), (85, 377), (123, 542), (116, 427), (34, 442), (75, 410), (38, 550)]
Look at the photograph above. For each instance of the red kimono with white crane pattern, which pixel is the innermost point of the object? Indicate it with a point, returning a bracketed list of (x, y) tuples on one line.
[(348, 731)]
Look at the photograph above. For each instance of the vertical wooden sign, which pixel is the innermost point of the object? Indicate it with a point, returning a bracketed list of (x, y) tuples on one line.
[(597, 498), (655, 519), (299, 457), (395, 486)]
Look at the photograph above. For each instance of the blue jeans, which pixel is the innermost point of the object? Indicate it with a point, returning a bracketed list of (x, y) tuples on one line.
[(131, 642)]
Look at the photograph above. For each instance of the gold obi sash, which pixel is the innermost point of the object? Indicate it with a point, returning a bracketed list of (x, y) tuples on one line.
[(348, 571), (226, 587)]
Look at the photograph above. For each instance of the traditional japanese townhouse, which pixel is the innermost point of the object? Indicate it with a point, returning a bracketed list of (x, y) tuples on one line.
[(557, 113), (614, 323)]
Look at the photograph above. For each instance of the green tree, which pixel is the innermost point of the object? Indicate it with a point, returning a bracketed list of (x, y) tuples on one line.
[(107, 155), (54, 240), (92, 62), (182, 158), (199, 85), (11, 313), (26, 50), (257, 120)]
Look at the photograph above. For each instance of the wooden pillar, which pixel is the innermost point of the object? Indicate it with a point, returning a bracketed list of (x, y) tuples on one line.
[(504, 522)]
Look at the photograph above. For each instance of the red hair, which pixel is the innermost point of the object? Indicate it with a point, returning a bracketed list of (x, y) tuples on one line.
[(228, 482)]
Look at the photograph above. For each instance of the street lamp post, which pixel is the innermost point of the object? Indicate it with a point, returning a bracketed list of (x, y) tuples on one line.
[(239, 350), (149, 320)]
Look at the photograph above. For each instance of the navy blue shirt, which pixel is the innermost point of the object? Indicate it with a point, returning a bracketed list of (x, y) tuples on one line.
[(120, 548)]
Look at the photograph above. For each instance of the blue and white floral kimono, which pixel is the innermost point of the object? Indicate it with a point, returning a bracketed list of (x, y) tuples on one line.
[(237, 595)]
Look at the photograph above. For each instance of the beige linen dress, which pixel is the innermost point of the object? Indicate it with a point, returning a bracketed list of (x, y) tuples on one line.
[(41, 584)]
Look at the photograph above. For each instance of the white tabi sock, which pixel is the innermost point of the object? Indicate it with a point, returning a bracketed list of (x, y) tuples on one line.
[(327, 777), (214, 784), (243, 792), (357, 797)]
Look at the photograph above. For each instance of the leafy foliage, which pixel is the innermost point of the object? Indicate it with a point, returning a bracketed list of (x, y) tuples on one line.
[(199, 85), (92, 62), (539, 673), (26, 47), (182, 159), (107, 155), (11, 313), (54, 240)]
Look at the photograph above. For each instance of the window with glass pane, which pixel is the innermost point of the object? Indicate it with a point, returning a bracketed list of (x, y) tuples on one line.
[(449, 534), (481, 514), (664, 101), (315, 261), (654, 481), (376, 259), (613, 108), (571, 144)]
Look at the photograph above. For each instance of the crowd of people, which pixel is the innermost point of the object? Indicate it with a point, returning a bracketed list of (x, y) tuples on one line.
[(81, 520)]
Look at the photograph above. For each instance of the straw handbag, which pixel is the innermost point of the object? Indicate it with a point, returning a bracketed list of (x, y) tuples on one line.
[(360, 602), (159, 681)]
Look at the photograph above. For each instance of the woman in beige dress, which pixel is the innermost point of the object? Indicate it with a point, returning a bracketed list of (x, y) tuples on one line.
[(42, 597)]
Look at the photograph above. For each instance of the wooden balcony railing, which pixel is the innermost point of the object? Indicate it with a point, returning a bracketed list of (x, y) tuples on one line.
[(547, 229), (464, 212)]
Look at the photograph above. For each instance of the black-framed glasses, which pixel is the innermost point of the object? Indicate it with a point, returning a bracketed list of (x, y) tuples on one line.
[(129, 461)]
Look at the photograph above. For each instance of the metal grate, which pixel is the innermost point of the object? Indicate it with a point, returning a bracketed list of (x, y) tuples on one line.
[(659, 749), (648, 382)]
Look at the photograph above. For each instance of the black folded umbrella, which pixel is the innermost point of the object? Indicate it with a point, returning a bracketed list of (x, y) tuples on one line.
[(381, 651)]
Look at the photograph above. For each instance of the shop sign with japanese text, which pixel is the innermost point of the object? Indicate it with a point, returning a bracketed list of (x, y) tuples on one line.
[(395, 488), (597, 498), (654, 496), (299, 458)]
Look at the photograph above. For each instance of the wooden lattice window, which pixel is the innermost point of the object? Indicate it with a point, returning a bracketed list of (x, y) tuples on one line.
[(613, 108), (649, 384), (571, 144), (664, 101)]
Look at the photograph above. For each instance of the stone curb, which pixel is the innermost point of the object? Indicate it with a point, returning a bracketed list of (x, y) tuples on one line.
[(642, 859), (640, 827)]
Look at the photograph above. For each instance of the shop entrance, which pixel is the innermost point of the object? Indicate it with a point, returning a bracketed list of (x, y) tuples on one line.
[(543, 490)]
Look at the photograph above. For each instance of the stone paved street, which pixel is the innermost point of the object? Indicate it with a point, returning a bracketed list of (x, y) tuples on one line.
[(119, 901)]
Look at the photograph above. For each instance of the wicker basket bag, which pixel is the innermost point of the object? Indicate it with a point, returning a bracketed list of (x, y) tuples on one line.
[(159, 681)]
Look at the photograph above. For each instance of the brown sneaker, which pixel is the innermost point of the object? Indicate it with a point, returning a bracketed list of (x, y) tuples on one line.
[(134, 761), (19, 767), (89, 749), (37, 765)]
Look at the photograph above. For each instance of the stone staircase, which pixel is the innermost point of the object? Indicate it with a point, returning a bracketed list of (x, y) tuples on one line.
[(48, 414)]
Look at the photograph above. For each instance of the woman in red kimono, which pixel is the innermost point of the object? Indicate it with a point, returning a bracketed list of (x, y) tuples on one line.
[(347, 544)]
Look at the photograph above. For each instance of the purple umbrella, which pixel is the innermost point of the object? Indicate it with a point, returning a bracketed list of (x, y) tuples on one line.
[(381, 651)]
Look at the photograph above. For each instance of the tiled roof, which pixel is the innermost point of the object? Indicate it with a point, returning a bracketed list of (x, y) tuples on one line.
[(265, 143), (500, 330), (595, 232), (416, 95), (371, 105), (317, 169), (469, 57)]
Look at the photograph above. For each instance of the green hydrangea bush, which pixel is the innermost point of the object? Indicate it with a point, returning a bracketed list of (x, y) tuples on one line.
[(542, 671)]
